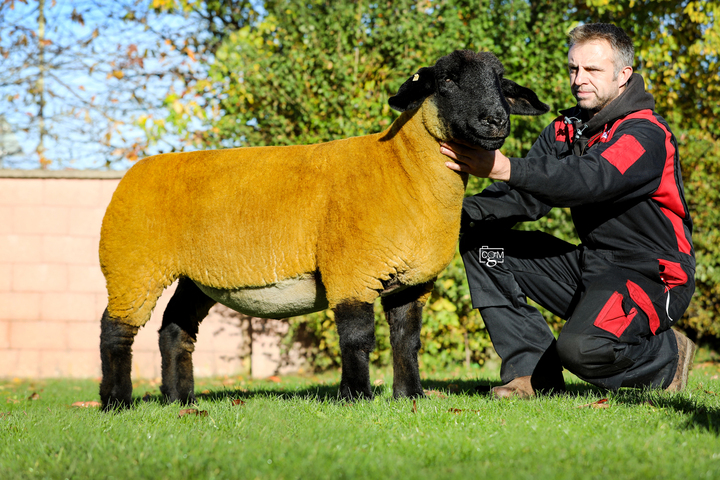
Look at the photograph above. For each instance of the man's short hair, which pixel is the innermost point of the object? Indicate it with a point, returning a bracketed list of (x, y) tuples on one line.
[(619, 41)]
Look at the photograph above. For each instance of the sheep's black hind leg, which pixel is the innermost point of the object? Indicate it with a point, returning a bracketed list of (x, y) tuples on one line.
[(356, 328), (116, 341), (403, 311), (178, 334)]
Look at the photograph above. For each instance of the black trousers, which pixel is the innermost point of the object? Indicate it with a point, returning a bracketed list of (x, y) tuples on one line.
[(618, 310)]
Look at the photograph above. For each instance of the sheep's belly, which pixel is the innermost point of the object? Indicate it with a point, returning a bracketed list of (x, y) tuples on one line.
[(287, 298)]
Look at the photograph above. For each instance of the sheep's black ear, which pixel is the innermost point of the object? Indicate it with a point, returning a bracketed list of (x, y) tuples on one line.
[(522, 100), (412, 93)]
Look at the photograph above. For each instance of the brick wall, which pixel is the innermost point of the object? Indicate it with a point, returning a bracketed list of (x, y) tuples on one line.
[(52, 292)]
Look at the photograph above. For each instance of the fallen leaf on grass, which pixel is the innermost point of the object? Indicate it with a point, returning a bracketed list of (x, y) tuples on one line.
[(205, 392), (86, 404), (274, 378), (414, 410), (192, 411), (435, 393), (714, 377), (602, 403), (457, 411), (12, 400), (237, 401), (4, 414), (34, 396), (379, 382)]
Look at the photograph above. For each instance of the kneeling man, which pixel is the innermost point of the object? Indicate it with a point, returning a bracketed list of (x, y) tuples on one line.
[(614, 162)]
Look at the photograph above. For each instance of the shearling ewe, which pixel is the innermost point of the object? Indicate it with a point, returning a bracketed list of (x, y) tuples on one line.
[(280, 231)]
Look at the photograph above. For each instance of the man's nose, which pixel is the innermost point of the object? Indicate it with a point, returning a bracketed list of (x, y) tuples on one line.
[(579, 77)]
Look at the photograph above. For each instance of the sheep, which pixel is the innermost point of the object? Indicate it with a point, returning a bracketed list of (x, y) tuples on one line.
[(275, 232)]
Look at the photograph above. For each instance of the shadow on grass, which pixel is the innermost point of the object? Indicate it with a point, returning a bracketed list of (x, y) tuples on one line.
[(328, 392), (321, 393), (701, 415), (483, 386)]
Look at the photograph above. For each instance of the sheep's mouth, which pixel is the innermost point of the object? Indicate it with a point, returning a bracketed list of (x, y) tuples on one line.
[(487, 138), (490, 143)]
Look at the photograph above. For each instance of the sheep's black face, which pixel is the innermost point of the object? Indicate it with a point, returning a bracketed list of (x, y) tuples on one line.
[(473, 100), (470, 100)]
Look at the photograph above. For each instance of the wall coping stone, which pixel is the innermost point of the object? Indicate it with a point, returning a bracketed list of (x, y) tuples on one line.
[(75, 174)]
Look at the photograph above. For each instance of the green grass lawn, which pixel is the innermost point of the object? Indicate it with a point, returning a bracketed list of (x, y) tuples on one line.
[(296, 428)]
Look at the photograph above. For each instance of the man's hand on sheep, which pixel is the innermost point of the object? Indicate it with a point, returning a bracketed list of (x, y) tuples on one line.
[(476, 161)]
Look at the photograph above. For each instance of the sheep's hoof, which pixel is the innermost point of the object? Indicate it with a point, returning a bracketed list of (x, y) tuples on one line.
[(398, 394), (114, 397), (116, 404), (172, 396), (350, 395)]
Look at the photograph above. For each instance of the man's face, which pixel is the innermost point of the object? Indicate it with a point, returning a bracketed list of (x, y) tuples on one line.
[(592, 78)]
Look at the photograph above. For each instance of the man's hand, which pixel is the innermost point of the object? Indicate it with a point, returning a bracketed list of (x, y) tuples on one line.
[(477, 161)]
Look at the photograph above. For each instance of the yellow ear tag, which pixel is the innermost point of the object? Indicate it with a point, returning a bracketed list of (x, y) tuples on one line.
[(415, 78)]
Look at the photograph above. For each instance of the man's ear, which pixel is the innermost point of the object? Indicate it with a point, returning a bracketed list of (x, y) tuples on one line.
[(416, 89), (522, 100), (624, 76)]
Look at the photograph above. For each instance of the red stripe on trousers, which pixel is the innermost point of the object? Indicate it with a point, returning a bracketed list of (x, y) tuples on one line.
[(638, 295)]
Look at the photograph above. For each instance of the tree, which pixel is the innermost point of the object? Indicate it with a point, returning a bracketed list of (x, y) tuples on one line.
[(74, 77), (318, 70)]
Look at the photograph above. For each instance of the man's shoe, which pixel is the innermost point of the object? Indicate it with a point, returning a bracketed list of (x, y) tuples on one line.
[(686, 353), (519, 387)]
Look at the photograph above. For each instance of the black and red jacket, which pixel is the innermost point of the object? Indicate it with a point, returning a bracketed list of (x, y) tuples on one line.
[(619, 173)]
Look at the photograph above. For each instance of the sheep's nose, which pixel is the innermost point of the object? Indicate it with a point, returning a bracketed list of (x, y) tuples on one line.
[(495, 121)]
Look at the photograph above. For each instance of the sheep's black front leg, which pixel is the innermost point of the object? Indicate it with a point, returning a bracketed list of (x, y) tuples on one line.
[(356, 328), (404, 315), (178, 334), (116, 341)]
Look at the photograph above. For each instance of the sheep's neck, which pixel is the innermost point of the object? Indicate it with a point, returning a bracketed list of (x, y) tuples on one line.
[(431, 121), (415, 139)]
